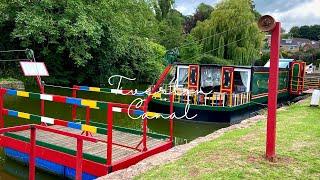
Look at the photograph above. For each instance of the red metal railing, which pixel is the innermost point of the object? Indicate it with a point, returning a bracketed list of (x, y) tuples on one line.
[(144, 107), (81, 138), (32, 155)]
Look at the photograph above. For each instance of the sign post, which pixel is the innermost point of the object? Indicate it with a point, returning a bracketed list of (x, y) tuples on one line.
[(36, 69), (268, 24), (273, 92)]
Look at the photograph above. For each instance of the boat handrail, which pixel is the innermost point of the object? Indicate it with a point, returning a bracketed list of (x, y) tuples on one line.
[(215, 99)]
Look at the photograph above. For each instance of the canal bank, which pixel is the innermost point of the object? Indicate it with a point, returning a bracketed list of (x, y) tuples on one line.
[(238, 151)]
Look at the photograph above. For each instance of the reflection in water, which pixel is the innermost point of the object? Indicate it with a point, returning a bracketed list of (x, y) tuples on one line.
[(183, 130)]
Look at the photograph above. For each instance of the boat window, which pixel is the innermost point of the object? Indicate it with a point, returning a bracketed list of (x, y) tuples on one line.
[(193, 76), (242, 80), (226, 78), (182, 79), (210, 79)]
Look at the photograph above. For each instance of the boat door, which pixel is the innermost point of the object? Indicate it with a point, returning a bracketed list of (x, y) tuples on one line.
[(193, 78), (227, 80), (297, 77)]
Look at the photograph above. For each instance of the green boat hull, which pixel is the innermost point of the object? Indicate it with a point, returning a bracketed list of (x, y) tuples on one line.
[(217, 114)]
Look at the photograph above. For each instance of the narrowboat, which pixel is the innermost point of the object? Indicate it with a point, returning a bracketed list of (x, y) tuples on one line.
[(225, 94)]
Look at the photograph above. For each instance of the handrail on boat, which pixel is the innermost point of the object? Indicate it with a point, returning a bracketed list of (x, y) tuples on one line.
[(214, 99)]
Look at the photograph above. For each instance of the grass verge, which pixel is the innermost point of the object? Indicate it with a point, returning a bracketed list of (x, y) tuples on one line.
[(240, 153)]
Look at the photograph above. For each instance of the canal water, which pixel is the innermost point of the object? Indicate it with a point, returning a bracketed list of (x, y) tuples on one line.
[(184, 131)]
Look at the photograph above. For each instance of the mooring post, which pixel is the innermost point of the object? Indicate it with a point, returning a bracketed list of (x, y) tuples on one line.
[(32, 153), (2, 92), (273, 92), (171, 116), (74, 107), (109, 134), (79, 159)]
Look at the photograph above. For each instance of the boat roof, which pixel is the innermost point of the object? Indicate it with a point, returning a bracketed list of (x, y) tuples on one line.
[(217, 65), (283, 63)]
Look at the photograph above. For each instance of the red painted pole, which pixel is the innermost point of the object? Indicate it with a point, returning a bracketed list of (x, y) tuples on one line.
[(171, 118), (146, 102), (2, 91), (144, 128), (32, 153), (42, 101), (41, 88), (87, 115), (87, 118), (273, 92), (109, 134), (74, 107), (158, 83), (79, 159)]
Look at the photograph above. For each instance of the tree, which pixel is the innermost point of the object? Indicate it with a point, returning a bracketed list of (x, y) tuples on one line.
[(308, 32), (209, 59), (231, 32), (202, 13), (220, 51), (315, 32), (162, 8), (304, 32), (171, 30), (80, 39), (257, 15), (294, 31), (190, 50)]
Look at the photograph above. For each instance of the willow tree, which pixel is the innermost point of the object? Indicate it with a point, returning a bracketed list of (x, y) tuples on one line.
[(231, 32)]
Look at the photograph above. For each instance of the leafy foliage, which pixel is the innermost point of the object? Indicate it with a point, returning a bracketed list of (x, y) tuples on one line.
[(202, 13), (84, 42), (209, 59), (75, 37), (171, 30), (231, 32), (310, 56), (190, 50), (162, 8), (308, 32)]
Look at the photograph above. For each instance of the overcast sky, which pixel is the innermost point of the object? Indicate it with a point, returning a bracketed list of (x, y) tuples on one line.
[(288, 12)]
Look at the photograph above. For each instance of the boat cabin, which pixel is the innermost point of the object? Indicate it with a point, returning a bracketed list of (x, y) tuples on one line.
[(213, 78), (216, 85), (211, 84)]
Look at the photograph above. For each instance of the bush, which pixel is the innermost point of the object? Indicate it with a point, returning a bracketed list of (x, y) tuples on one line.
[(209, 59)]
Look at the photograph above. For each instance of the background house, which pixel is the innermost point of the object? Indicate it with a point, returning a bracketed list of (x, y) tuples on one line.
[(298, 44)]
